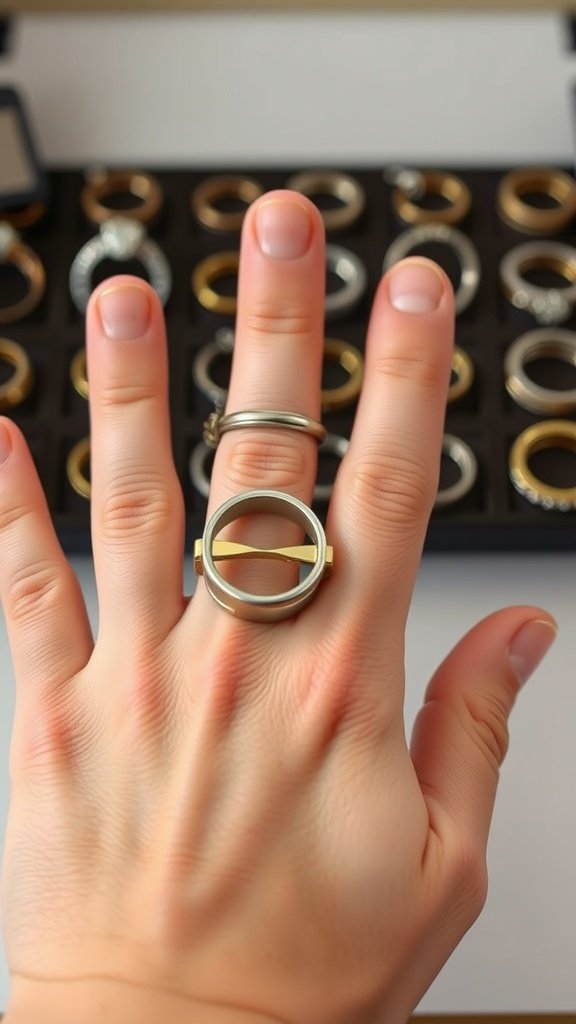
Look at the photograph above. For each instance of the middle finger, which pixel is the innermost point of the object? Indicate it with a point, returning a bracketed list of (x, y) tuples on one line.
[(277, 365)]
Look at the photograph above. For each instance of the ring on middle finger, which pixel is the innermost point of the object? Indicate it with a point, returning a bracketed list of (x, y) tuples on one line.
[(218, 424)]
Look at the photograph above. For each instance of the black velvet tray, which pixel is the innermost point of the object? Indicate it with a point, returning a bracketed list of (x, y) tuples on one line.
[(54, 417)]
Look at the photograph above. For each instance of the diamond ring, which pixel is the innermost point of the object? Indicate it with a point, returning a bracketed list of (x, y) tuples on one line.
[(120, 239)]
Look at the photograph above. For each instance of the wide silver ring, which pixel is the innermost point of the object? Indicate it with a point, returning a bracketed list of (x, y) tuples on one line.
[(121, 239), (460, 453), (543, 343), (546, 305), (455, 239), (347, 266), (263, 607), (333, 444)]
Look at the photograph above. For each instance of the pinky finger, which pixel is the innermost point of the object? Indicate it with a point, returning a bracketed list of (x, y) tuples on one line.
[(46, 619)]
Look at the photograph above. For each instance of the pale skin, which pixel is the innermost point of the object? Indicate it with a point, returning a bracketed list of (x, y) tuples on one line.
[(217, 821)]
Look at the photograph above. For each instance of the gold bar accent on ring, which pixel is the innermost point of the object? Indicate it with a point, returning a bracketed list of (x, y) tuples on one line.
[(304, 554)]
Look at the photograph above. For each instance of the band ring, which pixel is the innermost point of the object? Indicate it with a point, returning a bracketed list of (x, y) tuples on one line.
[(13, 250), (547, 305), (19, 385), (225, 186), (350, 359), (523, 216), (455, 239), (119, 239), (548, 434), (102, 184), (206, 273), (340, 186), (438, 183), (463, 370), (79, 373), (77, 464), (350, 269), (544, 343), (218, 424), (460, 453), (25, 217), (333, 444), (262, 607)]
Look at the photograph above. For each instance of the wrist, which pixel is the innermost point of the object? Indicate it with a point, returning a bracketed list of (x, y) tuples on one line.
[(107, 1001)]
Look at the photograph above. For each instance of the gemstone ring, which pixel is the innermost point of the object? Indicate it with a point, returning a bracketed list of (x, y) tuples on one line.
[(119, 239)]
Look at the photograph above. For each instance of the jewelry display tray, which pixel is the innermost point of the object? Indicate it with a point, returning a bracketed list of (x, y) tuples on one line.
[(54, 417)]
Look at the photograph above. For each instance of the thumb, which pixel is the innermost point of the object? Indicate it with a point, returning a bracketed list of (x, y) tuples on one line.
[(460, 736)]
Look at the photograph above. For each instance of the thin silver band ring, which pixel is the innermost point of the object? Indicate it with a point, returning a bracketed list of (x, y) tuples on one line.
[(347, 266), (543, 343), (217, 424), (460, 453), (456, 240)]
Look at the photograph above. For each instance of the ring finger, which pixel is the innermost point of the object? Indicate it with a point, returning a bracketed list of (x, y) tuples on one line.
[(277, 365)]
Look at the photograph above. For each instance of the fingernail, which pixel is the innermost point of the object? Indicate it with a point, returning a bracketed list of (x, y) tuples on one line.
[(283, 229), (529, 645), (124, 312), (5, 443), (415, 288)]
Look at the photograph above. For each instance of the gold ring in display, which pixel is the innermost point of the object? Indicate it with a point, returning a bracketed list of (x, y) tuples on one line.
[(221, 264), (547, 434), (352, 361), (77, 463), (463, 370), (25, 217), (79, 373), (13, 250), (102, 184), (225, 186), (340, 186), (523, 216), (19, 384), (438, 183)]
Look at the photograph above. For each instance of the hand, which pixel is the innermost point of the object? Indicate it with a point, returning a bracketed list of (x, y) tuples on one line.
[(219, 818)]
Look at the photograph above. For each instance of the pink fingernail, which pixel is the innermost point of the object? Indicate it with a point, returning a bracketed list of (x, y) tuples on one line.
[(5, 443), (415, 287), (124, 311), (283, 229), (529, 645)]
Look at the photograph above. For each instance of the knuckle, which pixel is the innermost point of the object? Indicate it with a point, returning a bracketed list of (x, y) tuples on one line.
[(134, 505), (35, 589), (393, 487), (408, 362), (488, 714), (282, 465), (267, 318), (114, 393), (10, 515)]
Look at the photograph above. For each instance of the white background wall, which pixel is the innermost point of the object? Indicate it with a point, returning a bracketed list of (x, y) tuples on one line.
[(324, 89)]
